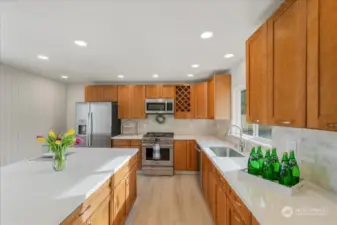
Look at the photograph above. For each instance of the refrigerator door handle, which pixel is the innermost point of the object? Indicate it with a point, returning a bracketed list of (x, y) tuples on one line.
[(88, 134), (91, 128)]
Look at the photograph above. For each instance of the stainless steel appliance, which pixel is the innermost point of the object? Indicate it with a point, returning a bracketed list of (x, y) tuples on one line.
[(96, 123), (157, 158), (161, 106)]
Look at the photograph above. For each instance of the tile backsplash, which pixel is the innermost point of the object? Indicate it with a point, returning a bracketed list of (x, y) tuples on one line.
[(178, 126)]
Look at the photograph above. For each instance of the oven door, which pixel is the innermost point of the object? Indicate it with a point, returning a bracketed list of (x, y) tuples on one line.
[(166, 156)]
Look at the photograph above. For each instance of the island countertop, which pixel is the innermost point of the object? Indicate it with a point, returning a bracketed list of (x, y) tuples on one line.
[(33, 193)]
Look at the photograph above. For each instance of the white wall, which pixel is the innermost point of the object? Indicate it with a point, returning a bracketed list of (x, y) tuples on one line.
[(29, 105), (75, 93), (316, 150)]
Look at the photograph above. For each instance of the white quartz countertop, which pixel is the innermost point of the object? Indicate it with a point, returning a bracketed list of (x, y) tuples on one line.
[(311, 206), (33, 194)]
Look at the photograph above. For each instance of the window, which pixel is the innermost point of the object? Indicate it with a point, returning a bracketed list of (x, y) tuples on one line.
[(257, 130)]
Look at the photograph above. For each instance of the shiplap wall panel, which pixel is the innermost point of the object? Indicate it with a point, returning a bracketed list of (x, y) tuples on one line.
[(29, 105)]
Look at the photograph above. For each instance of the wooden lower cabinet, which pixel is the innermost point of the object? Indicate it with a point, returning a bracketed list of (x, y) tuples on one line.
[(120, 203), (185, 155), (204, 173), (101, 216), (221, 206), (233, 217), (212, 193), (131, 189)]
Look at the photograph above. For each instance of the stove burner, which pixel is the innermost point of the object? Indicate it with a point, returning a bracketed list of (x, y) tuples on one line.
[(159, 135)]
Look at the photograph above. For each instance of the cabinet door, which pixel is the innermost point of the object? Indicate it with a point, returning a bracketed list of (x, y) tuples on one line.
[(101, 215), (92, 93), (287, 69), (153, 91), (211, 96), (124, 102), (221, 207), (128, 197), (180, 155), (322, 66), (109, 93), (119, 203), (133, 185), (137, 102), (204, 177), (192, 156), (256, 64), (254, 221), (212, 193), (222, 101), (233, 218), (167, 91), (201, 106)]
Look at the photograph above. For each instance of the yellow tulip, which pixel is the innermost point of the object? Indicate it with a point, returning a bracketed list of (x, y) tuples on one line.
[(41, 139), (52, 134), (57, 142), (71, 132)]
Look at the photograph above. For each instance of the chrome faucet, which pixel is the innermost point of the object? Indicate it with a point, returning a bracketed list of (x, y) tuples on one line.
[(241, 145)]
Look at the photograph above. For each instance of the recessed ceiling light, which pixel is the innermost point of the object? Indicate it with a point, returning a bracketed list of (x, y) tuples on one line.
[(155, 75), (64, 77), (43, 57), (206, 35), (229, 55), (81, 43), (190, 75), (120, 76), (195, 66)]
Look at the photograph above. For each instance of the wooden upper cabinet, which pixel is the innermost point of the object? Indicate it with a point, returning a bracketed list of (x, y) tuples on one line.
[(92, 93), (180, 155), (256, 76), (102, 93), (287, 67), (160, 91), (167, 91), (322, 65), (101, 216), (109, 93), (211, 96), (153, 91), (137, 101), (184, 102), (124, 109), (201, 101), (220, 97)]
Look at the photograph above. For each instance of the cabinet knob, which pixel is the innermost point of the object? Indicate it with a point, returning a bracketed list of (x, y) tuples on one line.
[(89, 222), (237, 219), (256, 121), (331, 124)]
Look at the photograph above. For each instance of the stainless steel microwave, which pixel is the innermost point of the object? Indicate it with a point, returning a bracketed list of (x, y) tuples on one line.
[(161, 106)]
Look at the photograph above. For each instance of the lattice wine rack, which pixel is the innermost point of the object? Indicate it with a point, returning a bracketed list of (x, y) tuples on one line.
[(183, 99)]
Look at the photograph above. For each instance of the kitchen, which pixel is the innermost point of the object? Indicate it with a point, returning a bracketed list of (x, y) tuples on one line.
[(182, 178)]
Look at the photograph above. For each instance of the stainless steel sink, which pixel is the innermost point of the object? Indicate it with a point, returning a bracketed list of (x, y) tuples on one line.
[(225, 152)]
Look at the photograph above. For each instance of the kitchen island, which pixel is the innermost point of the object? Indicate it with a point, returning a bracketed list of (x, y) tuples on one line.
[(33, 193)]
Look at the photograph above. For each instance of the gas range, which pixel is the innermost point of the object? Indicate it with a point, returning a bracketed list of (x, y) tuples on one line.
[(158, 137), (157, 153)]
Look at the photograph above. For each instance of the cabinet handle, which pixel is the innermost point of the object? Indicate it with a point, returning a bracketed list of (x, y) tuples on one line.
[(89, 222), (284, 122), (331, 124), (256, 121), (86, 209), (238, 203), (237, 219)]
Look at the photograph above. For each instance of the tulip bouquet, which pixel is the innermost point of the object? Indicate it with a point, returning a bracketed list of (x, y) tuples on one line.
[(58, 144)]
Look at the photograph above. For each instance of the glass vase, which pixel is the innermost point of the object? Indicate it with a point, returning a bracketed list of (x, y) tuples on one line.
[(59, 161)]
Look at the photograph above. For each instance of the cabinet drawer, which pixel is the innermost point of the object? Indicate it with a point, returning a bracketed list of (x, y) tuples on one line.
[(239, 206), (87, 208), (121, 142), (136, 143)]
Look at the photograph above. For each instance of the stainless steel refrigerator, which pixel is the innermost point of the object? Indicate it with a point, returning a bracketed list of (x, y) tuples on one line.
[(96, 123)]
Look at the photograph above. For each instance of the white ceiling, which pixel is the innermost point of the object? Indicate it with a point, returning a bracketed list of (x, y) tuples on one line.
[(137, 38)]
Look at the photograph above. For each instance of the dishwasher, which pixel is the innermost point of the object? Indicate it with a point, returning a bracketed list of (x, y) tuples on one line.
[(198, 149)]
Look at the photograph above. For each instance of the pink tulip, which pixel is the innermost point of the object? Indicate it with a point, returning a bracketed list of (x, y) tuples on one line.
[(78, 141)]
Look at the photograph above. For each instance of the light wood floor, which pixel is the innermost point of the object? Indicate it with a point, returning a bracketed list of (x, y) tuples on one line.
[(176, 200)]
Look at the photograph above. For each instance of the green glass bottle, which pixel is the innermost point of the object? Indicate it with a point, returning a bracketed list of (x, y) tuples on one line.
[(295, 170), (253, 165), (260, 159), (267, 167), (285, 172), (276, 165)]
